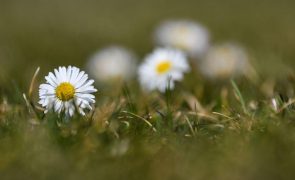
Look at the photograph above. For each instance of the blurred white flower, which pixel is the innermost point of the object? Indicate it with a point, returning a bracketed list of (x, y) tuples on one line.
[(224, 61), (66, 90), (188, 36), (161, 68), (112, 63)]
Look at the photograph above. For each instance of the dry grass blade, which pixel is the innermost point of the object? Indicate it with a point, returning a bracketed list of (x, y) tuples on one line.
[(223, 115), (190, 126), (29, 106), (291, 101), (194, 103), (206, 116), (32, 85), (143, 119), (26, 101)]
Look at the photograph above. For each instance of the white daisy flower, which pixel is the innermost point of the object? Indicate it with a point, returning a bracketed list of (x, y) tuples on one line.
[(224, 61), (188, 36), (161, 68), (67, 90), (112, 63)]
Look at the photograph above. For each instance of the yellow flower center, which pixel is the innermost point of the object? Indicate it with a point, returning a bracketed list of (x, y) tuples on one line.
[(65, 91), (163, 67)]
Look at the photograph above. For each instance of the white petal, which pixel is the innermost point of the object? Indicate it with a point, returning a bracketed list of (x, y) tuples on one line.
[(58, 76), (51, 80), (81, 82), (57, 106), (84, 90), (80, 75), (75, 73)]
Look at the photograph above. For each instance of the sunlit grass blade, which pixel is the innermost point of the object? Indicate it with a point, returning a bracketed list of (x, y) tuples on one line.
[(240, 97)]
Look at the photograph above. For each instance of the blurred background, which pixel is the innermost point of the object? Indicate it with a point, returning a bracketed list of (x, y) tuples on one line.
[(52, 33)]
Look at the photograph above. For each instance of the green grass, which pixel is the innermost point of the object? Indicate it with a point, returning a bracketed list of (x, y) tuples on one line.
[(200, 130), (140, 136)]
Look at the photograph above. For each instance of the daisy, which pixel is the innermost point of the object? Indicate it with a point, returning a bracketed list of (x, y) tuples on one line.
[(112, 63), (188, 36), (224, 61), (162, 68), (67, 90)]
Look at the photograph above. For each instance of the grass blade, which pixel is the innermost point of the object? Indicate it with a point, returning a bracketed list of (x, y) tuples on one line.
[(239, 94)]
